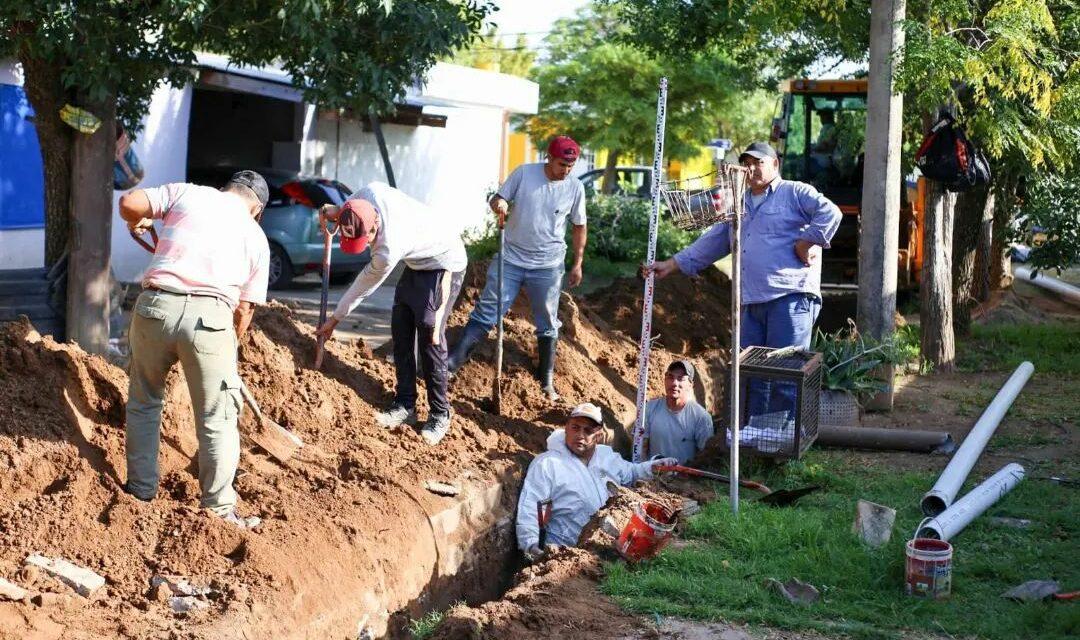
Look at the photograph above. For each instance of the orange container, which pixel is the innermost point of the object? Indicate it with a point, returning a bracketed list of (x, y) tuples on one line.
[(929, 568), (647, 532)]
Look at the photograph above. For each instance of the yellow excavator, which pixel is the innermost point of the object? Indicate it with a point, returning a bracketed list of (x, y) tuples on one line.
[(820, 134)]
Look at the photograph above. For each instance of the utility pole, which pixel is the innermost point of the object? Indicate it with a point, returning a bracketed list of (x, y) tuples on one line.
[(879, 220)]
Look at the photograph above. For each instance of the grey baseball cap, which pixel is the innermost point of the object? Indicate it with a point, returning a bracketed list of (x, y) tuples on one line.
[(588, 410), (252, 180), (686, 366), (759, 150)]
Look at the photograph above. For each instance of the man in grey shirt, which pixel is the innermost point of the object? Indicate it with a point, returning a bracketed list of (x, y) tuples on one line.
[(676, 426), (544, 197)]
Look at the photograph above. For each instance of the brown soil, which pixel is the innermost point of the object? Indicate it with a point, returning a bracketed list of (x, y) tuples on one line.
[(345, 525)]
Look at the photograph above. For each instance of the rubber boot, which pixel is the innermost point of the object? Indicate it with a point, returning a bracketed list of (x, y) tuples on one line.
[(459, 355), (545, 372)]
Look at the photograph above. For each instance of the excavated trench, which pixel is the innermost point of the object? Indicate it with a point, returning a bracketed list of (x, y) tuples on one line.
[(351, 539)]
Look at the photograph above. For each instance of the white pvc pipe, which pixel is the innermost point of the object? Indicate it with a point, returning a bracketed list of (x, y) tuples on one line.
[(1063, 289), (972, 505), (938, 499)]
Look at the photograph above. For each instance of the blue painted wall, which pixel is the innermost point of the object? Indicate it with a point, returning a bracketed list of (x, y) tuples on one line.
[(22, 175)]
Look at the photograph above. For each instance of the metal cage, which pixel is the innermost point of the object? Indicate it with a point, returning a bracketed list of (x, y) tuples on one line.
[(702, 201)]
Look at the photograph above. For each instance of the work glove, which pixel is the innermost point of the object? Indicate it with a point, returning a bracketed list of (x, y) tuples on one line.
[(663, 462), (535, 553)]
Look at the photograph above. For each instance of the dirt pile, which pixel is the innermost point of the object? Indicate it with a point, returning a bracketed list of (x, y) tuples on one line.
[(347, 527), (691, 316)]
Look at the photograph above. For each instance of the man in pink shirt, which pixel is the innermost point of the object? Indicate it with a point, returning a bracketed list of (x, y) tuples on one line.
[(209, 269)]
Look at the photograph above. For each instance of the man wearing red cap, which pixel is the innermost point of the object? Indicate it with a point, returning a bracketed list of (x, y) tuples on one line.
[(399, 228), (544, 196)]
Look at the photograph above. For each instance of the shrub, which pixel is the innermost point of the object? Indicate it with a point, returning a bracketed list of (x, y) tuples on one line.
[(619, 230)]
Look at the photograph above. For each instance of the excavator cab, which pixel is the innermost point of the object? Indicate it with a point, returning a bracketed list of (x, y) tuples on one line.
[(820, 135)]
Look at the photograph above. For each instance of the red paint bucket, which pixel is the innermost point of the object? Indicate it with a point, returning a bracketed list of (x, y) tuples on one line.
[(647, 532), (929, 568)]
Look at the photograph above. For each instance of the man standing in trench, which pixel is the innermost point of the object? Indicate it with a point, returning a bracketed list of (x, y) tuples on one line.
[(534, 255), (573, 474), (787, 225), (209, 270), (398, 229)]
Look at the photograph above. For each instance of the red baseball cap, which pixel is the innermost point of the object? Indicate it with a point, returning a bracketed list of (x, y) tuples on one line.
[(356, 219), (563, 147)]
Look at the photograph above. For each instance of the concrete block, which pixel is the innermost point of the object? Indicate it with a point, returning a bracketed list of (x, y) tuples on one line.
[(84, 581), (12, 591), (873, 523), (187, 604)]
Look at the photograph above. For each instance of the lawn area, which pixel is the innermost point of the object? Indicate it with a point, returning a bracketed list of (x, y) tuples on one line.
[(1052, 347), (721, 574)]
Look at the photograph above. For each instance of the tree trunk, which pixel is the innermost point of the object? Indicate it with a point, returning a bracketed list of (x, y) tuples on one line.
[(89, 282), (969, 214), (938, 345), (609, 171), (376, 128), (46, 92), (981, 286), (1004, 209)]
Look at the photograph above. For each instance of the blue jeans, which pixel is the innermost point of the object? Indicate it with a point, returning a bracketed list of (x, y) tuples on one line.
[(783, 322), (541, 285)]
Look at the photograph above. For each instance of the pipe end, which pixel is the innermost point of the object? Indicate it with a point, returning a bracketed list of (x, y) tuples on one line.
[(933, 505)]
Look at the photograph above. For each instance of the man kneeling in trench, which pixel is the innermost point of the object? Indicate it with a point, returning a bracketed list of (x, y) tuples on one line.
[(573, 474)]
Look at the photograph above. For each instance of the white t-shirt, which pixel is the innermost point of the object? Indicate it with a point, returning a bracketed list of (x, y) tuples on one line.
[(536, 227), (209, 245), (425, 238)]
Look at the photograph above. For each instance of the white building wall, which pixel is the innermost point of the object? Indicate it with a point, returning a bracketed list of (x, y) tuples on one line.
[(162, 150), (452, 168)]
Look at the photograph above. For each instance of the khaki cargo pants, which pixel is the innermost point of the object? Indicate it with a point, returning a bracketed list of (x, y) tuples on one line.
[(197, 331)]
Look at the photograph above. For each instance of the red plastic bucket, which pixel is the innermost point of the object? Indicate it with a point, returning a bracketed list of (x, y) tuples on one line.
[(647, 532), (929, 568)]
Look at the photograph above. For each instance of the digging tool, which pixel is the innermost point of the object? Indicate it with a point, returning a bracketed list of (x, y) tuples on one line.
[(779, 498), (149, 246), (496, 384), (689, 471), (543, 517), (278, 441), (328, 235)]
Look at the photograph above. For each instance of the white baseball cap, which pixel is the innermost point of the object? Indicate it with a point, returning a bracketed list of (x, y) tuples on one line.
[(588, 410)]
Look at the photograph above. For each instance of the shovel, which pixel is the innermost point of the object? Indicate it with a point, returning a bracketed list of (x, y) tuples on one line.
[(328, 235), (543, 517), (496, 384), (278, 441), (780, 498)]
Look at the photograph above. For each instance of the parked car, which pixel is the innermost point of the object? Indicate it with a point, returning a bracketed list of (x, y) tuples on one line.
[(291, 223)]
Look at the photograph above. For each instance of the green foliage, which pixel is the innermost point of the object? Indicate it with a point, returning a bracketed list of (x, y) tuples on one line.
[(1053, 347), (619, 230), (599, 89), (1051, 205), (491, 51), (421, 628), (354, 54), (850, 360), (722, 574)]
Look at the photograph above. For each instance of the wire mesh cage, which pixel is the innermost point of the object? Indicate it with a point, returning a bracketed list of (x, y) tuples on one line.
[(779, 393), (702, 201)]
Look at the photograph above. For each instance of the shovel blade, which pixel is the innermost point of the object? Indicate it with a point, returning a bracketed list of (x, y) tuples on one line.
[(278, 441), (786, 497)]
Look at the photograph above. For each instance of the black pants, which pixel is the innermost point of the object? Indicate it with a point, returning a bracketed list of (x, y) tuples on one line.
[(422, 303)]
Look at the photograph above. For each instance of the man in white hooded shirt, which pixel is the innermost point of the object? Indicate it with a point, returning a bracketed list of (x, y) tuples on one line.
[(573, 474)]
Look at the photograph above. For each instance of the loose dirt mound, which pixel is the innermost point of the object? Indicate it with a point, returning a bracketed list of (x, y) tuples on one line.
[(691, 316), (347, 526)]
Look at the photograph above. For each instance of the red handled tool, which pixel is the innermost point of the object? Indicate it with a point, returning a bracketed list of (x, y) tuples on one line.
[(328, 245), (543, 517), (149, 246), (689, 471)]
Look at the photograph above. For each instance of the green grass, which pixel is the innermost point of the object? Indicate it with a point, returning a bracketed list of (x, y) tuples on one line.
[(421, 628), (862, 589), (1052, 348)]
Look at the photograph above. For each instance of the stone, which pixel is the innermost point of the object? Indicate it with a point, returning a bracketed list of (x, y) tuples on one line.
[(1033, 590), (187, 604), (161, 593), (689, 508), (12, 591), (610, 527), (84, 581), (441, 488), (873, 523), (796, 591), (1012, 523), (178, 586)]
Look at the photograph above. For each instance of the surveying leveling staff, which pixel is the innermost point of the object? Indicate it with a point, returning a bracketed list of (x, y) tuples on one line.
[(400, 228), (544, 197), (209, 270)]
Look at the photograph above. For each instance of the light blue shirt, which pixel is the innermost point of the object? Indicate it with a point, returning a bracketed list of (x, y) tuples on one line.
[(677, 434), (536, 226), (789, 211)]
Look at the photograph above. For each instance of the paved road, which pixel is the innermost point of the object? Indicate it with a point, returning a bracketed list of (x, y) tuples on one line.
[(370, 320)]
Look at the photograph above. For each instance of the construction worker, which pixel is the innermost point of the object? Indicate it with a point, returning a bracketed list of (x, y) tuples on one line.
[(399, 228), (573, 474), (676, 426), (787, 225), (544, 197), (208, 271)]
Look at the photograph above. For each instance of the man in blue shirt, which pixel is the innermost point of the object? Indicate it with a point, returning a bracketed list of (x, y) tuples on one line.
[(785, 228)]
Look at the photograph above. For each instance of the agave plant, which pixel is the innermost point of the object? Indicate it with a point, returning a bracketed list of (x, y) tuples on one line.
[(849, 360)]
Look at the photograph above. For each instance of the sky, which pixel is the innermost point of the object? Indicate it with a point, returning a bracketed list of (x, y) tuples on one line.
[(532, 17)]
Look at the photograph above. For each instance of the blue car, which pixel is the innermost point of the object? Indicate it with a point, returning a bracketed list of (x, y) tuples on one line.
[(291, 224)]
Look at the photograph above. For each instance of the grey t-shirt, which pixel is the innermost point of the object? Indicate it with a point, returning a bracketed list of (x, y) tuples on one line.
[(677, 434), (536, 227)]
